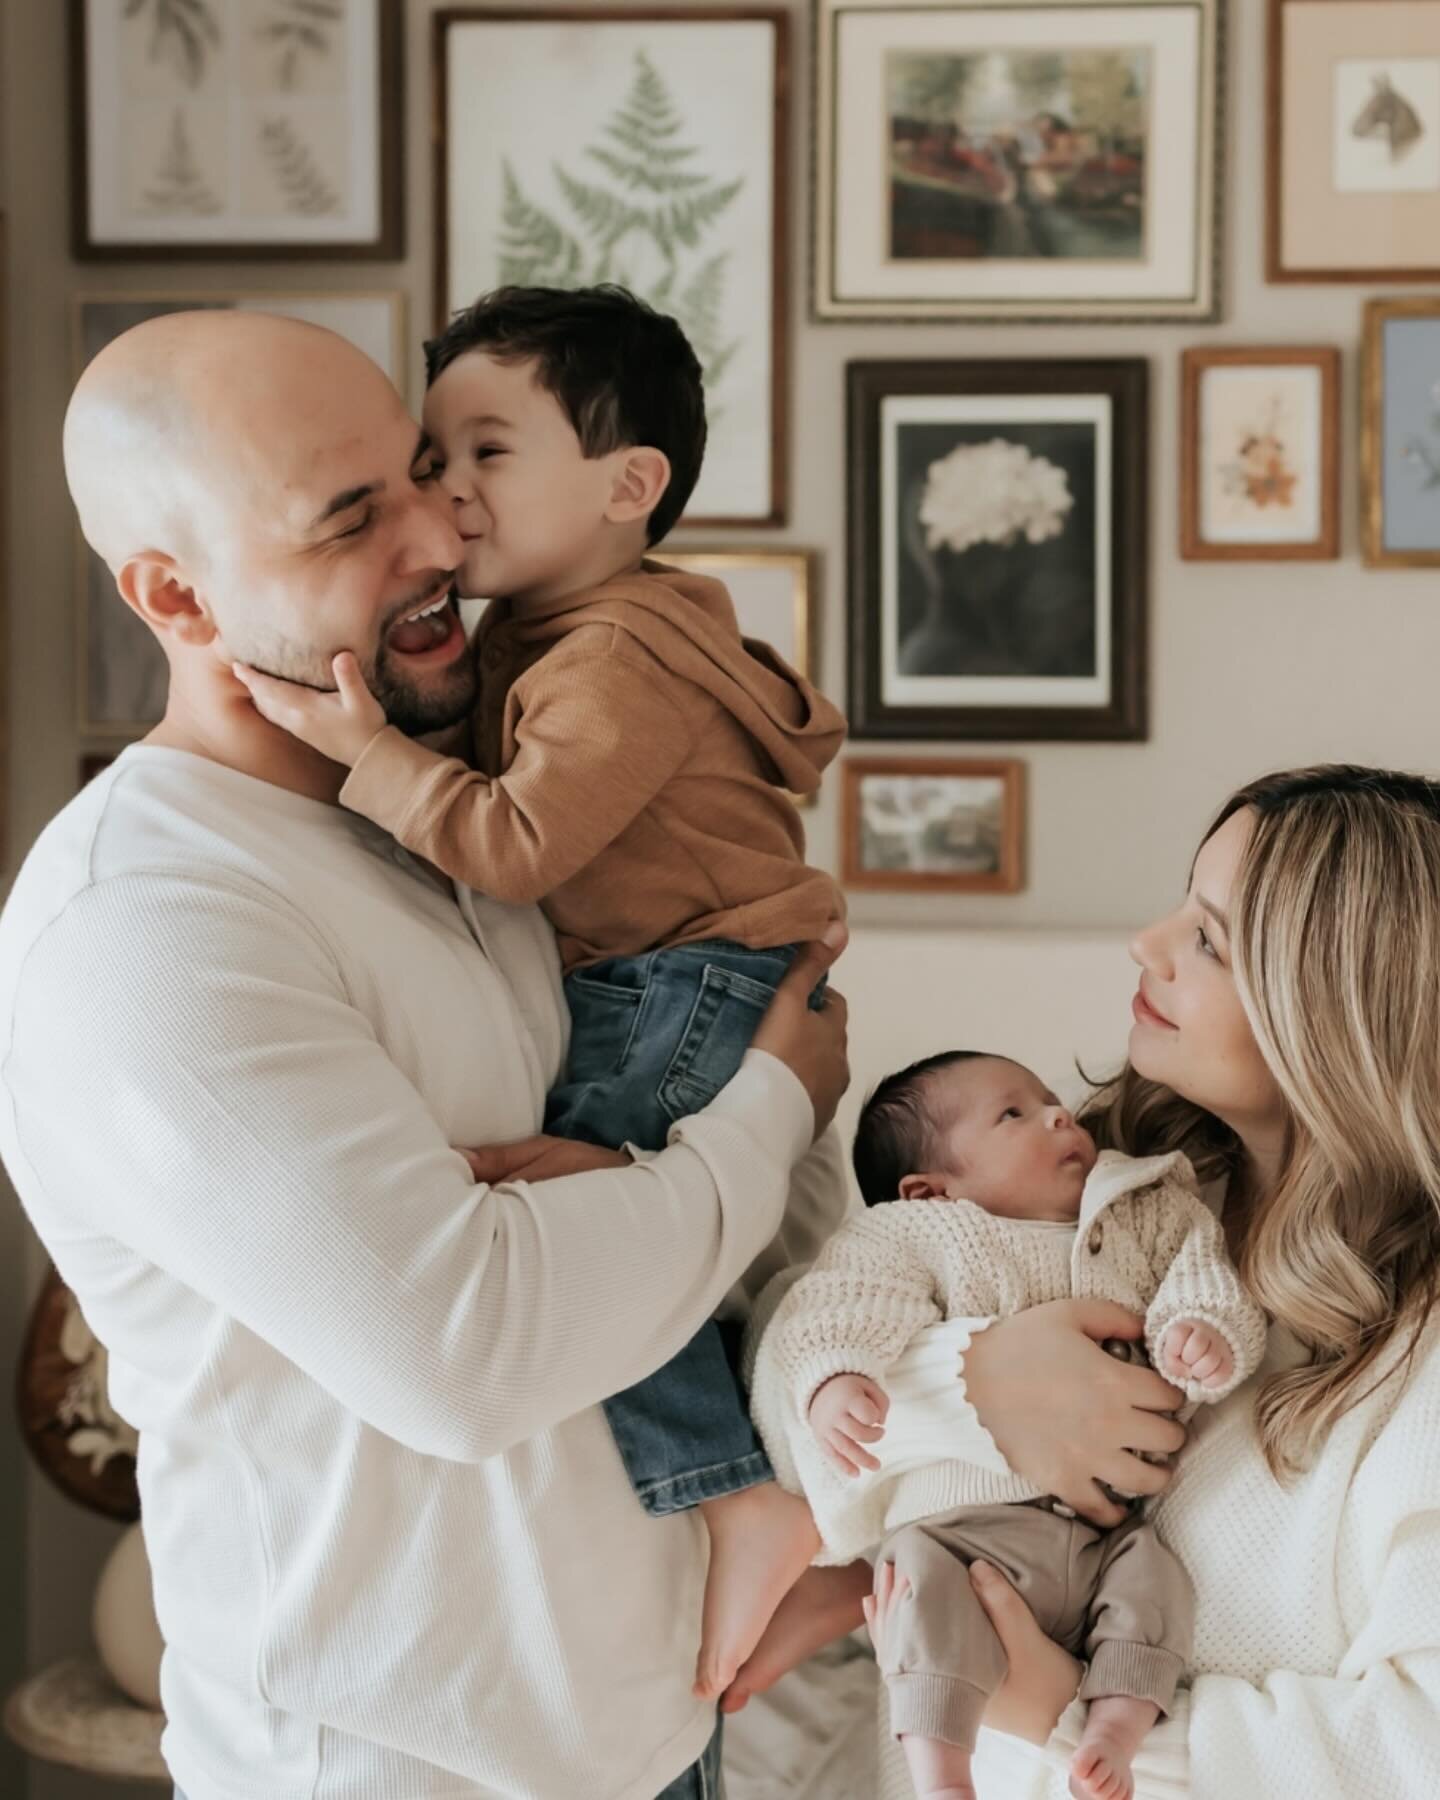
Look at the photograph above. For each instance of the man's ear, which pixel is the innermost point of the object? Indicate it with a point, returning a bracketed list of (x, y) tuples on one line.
[(923, 1187), (642, 475), (153, 585)]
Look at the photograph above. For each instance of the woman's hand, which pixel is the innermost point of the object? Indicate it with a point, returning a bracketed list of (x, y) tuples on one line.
[(538, 1159), (1042, 1678), (1065, 1414), (338, 725)]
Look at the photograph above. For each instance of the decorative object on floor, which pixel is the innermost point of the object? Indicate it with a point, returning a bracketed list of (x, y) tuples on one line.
[(647, 148), (1010, 160), (209, 129), (774, 593), (955, 827), (73, 1714), (123, 1624), (1260, 453), (997, 549), (1353, 150), (123, 676), (1400, 434)]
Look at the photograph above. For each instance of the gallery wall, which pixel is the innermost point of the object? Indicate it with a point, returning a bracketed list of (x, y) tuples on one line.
[(1251, 665)]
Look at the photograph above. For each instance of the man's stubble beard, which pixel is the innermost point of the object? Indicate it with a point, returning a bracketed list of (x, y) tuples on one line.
[(411, 710)]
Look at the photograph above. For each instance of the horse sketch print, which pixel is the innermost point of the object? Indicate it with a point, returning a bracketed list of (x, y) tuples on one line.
[(1390, 116)]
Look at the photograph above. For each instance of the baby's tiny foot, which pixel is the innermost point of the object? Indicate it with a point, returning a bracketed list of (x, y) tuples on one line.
[(762, 1540), (1101, 1767)]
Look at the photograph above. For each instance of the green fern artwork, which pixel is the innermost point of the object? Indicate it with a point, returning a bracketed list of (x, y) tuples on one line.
[(643, 221)]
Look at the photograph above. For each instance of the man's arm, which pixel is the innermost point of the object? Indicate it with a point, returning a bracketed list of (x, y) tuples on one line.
[(189, 1078)]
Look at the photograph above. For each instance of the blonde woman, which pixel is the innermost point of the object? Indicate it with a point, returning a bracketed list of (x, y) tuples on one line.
[(1287, 1037)]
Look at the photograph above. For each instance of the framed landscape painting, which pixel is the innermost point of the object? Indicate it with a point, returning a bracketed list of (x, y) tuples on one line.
[(123, 675), (1260, 454), (998, 549), (1353, 152), (1400, 434), (646, 148), (1004, 159), (236, 128), (931, 826)]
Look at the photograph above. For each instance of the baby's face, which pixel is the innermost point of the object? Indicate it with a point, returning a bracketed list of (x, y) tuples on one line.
[(528, 502), (1007, 1143)]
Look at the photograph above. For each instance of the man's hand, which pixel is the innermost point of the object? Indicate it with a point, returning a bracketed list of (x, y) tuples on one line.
[(846, 1413), (812, 1045), (338, 725), (538, 1159), (1191, 1351)]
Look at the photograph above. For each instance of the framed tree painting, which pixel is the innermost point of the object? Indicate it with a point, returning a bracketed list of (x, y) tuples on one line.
[(1259, 453), (997, 549), (236, 128), (1007, 159), (1400, 434), (916, 825), (1353, 148), (646, 148), (123, 676)]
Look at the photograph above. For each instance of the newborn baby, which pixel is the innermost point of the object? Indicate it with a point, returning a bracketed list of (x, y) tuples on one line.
[(984, 1197)]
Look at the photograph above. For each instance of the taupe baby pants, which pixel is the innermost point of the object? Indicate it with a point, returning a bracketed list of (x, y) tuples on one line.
[(1118, 1596)]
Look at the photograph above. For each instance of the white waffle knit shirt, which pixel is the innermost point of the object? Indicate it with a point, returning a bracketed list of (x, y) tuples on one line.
[(395, 1553)]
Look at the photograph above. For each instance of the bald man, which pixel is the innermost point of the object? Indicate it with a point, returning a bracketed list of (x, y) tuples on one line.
[(395, 1553)]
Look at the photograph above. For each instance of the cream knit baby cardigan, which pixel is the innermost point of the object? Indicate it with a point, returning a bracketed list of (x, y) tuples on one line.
[(1144, 1239)]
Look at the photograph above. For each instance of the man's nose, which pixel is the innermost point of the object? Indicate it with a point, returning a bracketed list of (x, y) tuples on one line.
[(432, 542)]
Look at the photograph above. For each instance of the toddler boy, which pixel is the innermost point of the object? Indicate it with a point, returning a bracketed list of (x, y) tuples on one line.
[(633, 759), (984, 1197)]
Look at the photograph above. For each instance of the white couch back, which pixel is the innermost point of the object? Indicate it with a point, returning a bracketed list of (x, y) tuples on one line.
[(1043, 997)]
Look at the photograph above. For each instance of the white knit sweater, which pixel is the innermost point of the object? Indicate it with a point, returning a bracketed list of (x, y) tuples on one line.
[(1145, 1239), (393, 1545), (1317, 1643)]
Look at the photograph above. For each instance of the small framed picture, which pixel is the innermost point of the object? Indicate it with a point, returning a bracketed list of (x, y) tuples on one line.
[(642, 146), (1003, 160), (1353, 152), (123, 675), (236, 128), (997, 539), (1400, 434), (1260, 454), (953, 827), (774, 593)]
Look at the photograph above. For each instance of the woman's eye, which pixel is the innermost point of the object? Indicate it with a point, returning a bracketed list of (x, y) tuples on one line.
[(1205, 946)]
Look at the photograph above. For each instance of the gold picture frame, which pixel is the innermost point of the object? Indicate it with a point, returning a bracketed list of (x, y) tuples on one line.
[(1396, 401), (905, 844)]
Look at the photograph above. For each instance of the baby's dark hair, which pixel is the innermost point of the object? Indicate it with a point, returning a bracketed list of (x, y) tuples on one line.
[(897, 1129), (624, 373)]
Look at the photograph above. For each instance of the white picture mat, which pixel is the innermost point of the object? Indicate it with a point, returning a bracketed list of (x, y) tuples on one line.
[(999, 410), (1365, 165), (862, 265), (539, 94), (112, 112), (1236, 399)]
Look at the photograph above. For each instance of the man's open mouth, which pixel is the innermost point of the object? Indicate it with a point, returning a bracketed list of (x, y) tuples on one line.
[(426, 627)]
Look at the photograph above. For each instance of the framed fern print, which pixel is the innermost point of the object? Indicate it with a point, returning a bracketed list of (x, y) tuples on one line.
[(641, 147), (236, 128)]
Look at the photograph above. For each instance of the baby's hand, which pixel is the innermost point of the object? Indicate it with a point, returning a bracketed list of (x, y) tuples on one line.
[(338, 725), (1190, 1351), (847, 1412)]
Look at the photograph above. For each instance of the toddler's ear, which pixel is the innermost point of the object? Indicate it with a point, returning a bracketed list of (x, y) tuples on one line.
[(923, 1187), (642, 475)]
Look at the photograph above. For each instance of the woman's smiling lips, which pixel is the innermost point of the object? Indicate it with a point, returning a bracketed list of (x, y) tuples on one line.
[(1145, 1013)]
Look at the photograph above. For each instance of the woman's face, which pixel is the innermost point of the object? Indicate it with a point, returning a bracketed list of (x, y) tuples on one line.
[(1190, 1030)]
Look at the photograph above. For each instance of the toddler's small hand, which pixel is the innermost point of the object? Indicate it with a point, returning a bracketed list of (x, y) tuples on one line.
[(339, 725), (1195, 1352), (848, 1412)]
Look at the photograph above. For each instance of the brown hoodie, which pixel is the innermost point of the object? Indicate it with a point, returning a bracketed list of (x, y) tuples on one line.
[(633, 755)]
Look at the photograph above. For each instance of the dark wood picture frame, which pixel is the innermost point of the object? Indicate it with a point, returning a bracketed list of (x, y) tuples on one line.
[(1372, 431), (387, 246), (1124, 382), (1275, 269), (1008, 878), (779, 312), (1194, 364)]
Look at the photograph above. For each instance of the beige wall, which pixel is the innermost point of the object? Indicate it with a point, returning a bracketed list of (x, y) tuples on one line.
[(1252, 666)]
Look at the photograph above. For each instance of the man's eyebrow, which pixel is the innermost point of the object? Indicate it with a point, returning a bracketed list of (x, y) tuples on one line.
[(1214, 912), (342, 502)]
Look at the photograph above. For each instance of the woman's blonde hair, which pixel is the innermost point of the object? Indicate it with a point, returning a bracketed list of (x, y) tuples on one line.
[(1335, 947)]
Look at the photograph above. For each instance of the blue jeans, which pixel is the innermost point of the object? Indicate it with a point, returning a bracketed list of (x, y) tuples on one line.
[(703, 1780), (652, 1039)]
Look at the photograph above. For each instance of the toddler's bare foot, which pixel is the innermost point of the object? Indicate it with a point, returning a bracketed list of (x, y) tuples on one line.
[(940, 1771), (1114, 1730), (823, 1605), (762, 1540)]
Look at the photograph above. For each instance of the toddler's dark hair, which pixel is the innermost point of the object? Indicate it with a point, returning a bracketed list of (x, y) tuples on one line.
[(624, 373), (897, 1129)]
